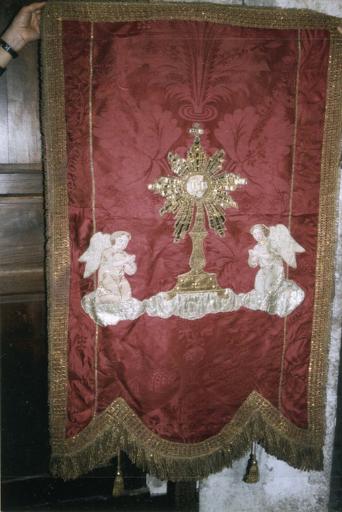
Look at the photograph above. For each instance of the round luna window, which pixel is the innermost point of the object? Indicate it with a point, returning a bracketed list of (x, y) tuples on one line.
[(196, 186)]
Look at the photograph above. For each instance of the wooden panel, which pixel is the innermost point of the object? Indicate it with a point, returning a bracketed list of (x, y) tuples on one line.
[(23, 114), (4, 157), (33, 167), (15, 283), (21, 233), (19, 105), (24, 297), (26, 179)]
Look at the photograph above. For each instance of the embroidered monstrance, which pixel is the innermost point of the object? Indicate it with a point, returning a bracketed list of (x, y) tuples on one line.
[(199, 189)]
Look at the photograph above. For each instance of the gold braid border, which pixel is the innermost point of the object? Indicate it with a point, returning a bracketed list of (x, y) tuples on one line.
[(256, 419)]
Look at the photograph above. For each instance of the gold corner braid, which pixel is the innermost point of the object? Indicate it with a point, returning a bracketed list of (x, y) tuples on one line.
[(118, 426)]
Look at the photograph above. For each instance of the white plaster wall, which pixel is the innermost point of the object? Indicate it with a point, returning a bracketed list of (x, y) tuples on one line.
[(332, 7), (281, 487)]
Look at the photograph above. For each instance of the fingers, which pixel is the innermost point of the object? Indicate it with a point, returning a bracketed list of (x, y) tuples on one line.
[(37, 17), (35, 23), (32, 8), (26, 13)]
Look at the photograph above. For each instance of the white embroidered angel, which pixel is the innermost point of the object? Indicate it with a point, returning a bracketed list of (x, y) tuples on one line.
[(273, 292), (106, 253)]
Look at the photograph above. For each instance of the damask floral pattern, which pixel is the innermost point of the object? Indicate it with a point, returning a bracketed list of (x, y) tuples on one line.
[(150, 83)]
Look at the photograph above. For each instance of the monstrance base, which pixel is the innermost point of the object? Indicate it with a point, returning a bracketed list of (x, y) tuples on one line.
[(196, 282)]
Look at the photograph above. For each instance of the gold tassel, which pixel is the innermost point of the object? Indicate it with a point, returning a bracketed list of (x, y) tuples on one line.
[(252, 470), (119, 484)]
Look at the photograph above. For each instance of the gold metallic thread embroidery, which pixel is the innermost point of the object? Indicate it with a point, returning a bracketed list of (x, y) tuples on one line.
[(93, 197), (200, 188)]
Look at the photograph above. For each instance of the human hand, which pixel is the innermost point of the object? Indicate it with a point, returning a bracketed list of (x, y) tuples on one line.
[(25, 26)]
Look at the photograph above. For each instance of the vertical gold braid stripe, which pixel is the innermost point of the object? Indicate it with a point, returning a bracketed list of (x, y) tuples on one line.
[(293, 170), (118, 425), (93, 196), (294, 145), (58, 250), (91, 149)]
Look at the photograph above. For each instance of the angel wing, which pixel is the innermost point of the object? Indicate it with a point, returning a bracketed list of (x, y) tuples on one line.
[(92, 256), (283, 244)]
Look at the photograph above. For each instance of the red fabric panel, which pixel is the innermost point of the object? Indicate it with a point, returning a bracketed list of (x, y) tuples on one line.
[(186, 379), (311, 110), (81, 328)]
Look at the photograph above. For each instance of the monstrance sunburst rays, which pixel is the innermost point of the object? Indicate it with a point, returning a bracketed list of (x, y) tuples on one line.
[(199, 188)]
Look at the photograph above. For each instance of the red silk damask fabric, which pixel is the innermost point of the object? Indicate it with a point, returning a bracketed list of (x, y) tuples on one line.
[(187, 378), (186, 216)]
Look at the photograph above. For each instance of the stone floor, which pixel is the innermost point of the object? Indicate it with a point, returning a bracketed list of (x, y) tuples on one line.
[(136, 504), (93, 492), (336, 473)]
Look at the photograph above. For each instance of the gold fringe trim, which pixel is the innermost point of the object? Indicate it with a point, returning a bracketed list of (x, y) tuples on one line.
[(252, 471), (119, 486), (178, 461), (119, 483)]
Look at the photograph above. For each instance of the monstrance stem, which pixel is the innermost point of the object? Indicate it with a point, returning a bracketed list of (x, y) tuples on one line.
[(197, 234)]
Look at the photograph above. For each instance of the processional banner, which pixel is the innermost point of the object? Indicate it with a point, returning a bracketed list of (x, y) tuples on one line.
[(191, 174)]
